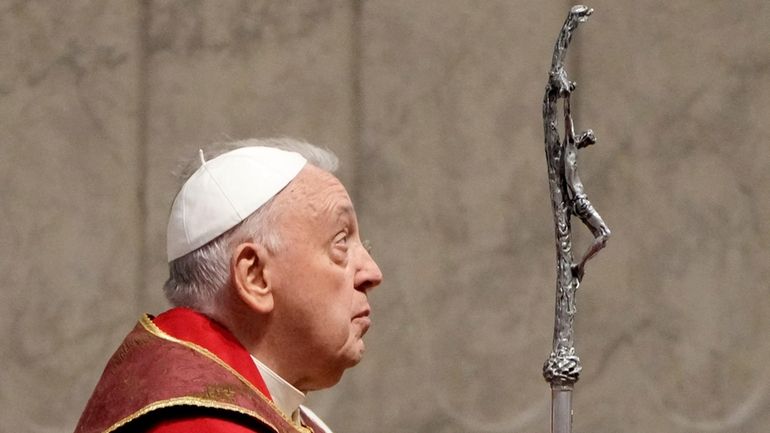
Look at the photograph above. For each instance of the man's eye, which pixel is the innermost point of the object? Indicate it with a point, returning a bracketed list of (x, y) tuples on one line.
[(342, 239)]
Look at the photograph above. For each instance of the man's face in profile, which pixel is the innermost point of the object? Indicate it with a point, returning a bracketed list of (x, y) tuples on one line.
[(321, 276)]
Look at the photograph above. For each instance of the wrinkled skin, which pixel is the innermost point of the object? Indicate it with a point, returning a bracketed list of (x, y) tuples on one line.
[(320, 280)]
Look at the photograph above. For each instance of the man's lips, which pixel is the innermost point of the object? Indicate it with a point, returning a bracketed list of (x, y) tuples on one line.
[(363, 320), (365, 312)]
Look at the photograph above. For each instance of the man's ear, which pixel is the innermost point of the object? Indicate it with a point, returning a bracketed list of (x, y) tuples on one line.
[(247, 268)]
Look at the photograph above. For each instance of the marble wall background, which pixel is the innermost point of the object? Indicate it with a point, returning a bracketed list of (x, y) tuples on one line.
[(434, 108)]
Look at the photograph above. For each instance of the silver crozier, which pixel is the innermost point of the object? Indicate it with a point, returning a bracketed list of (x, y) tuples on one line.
[(568, 198)]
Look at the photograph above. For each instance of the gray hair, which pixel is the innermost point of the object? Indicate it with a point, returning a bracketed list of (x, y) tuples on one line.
[(198, 279)]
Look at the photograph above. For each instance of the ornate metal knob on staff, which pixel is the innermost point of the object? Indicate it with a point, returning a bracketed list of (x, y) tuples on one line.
[(568, 198)]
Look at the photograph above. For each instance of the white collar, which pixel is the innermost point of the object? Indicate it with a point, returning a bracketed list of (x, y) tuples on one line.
[(285, 396)]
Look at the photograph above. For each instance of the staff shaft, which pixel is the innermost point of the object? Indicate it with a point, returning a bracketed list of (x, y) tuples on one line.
[(561, 408)]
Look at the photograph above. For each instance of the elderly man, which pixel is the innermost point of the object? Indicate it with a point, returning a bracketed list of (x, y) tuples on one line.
[(269, 279)]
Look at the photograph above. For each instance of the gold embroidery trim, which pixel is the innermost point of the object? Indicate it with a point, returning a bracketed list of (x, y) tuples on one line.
[(223, 393), (187, 401), (153, 329)]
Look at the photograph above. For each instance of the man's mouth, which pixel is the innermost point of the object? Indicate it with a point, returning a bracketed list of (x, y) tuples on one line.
[(362, 319)]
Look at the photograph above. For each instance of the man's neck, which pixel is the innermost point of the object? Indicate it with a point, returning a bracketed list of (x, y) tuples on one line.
[(285, 396)]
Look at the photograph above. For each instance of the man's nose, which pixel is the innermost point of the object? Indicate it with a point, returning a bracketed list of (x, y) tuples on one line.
[(368, 274)]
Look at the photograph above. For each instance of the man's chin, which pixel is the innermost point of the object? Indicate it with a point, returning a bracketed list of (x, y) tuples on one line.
[(356, 357), (356, 354)]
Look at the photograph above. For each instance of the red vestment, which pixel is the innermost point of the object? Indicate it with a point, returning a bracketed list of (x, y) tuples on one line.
[(182, 372)]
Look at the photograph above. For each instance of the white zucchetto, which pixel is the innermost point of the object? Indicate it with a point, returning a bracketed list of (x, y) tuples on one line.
[(224, 191)]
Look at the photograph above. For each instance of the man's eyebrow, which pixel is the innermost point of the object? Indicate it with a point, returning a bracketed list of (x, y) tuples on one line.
[(343, 209)]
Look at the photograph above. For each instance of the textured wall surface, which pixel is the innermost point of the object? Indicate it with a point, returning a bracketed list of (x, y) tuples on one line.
[(434, 109)]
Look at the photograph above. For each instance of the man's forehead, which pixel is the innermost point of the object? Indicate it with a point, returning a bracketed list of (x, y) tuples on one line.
[(319, 190)]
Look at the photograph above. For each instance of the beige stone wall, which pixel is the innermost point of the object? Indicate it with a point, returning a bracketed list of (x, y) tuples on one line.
[(434, 108)]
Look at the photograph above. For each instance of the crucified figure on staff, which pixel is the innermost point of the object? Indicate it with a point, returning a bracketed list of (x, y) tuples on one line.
[(576, 193)]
